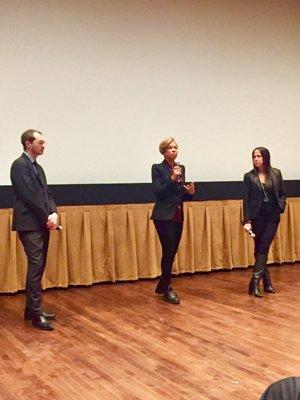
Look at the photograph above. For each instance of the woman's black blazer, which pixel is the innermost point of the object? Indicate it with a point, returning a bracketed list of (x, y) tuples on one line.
[(168, 194), (253, 193)]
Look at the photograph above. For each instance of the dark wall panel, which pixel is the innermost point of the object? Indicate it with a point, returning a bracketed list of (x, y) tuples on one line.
[(136, 193)]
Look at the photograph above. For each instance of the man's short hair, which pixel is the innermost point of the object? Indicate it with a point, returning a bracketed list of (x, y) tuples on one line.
[(27, 136)]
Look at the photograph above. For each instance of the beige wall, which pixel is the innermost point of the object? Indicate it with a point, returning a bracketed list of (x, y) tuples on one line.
[(106, 80)]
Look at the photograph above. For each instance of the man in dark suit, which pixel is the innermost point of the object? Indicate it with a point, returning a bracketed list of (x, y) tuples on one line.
[(34, 216)]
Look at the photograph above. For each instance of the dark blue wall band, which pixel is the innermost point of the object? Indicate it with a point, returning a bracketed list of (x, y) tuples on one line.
[(137, 193)]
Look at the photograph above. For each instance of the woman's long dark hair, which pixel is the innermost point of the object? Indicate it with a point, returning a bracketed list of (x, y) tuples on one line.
[(266, 161)]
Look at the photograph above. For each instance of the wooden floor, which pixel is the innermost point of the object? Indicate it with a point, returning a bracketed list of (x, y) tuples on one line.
[(121, 341)]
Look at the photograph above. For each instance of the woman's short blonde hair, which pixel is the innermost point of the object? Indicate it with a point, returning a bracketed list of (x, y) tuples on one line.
[(164, 144)]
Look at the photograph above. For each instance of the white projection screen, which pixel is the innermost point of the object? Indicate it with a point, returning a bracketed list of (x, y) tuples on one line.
[(105, 81)]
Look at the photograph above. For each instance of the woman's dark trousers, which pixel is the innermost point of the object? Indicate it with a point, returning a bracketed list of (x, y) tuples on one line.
[(169, 233)]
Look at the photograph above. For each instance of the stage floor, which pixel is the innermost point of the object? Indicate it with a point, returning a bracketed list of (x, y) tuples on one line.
[(122, 342)]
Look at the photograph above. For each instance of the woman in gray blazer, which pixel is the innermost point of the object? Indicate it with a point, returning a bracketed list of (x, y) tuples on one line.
[(170, 191), (264, 201)]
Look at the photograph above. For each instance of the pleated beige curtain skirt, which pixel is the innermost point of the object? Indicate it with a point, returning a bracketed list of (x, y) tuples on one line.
[(119, 242)]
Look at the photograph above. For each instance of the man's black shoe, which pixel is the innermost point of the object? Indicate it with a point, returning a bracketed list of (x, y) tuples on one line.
[(42, 323), (171, 297), (48, 315)]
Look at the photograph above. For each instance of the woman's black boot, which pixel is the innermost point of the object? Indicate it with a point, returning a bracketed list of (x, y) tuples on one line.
[(250, 289), (267, 282), (258, 273), (256, 279)]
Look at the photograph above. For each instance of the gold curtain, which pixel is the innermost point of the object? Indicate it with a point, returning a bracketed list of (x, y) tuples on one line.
[(119, 242)]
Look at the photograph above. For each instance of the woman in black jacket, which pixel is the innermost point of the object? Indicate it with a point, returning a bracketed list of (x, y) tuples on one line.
[(264, 201), (170, 191)]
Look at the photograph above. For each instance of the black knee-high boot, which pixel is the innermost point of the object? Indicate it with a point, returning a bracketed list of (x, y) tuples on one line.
[(267, 282), (258, 273)]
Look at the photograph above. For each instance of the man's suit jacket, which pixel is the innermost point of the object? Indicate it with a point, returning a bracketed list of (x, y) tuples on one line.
[(253, 193), (168, 194), (33, 202)]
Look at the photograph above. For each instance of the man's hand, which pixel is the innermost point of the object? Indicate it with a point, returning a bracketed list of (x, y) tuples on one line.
[(247, 226), (52, 222)]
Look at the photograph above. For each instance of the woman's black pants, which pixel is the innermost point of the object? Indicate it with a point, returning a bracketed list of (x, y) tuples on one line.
[(169, 233), (265, 228)]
